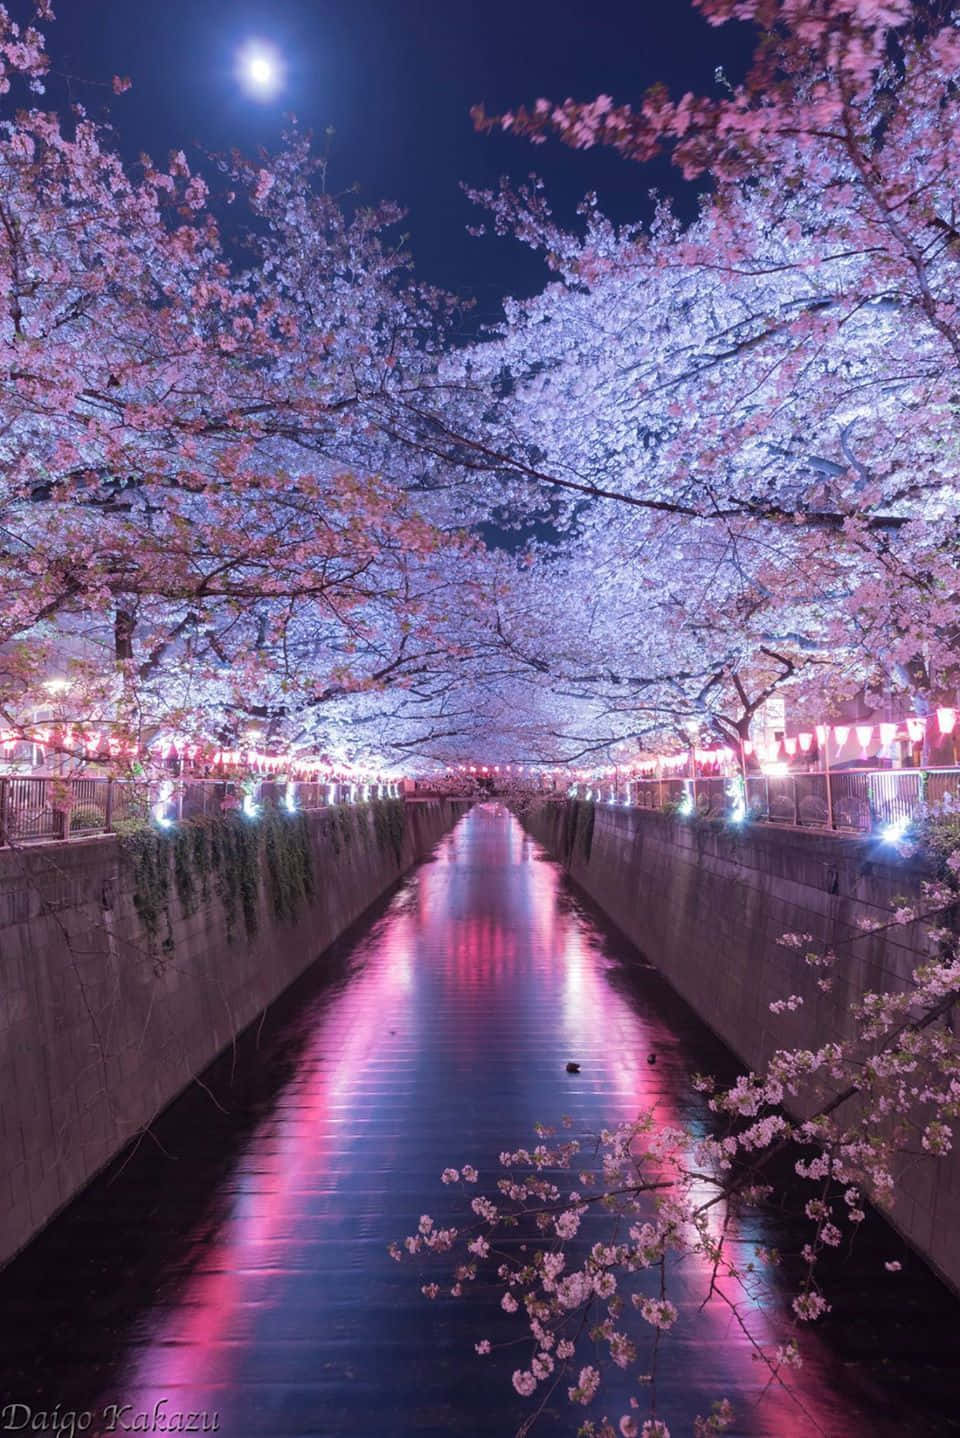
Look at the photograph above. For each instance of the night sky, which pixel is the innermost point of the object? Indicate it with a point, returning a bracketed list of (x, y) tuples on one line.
[(396, 79)]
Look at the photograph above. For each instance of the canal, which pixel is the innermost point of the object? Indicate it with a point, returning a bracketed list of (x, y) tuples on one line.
[(233, 1264)]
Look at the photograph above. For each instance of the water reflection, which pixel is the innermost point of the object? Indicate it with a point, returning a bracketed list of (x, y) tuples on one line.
[(241, 1269)]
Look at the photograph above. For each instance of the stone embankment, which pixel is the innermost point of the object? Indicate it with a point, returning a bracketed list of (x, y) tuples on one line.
[(127, 964), (706, 902)]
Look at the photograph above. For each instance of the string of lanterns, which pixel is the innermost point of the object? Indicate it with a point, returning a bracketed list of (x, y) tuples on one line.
[(790, 746), (97, 745), (769, 751)]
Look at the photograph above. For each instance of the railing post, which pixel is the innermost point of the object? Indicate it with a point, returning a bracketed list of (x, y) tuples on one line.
[(4, 807), (796, 805), (108, 809)]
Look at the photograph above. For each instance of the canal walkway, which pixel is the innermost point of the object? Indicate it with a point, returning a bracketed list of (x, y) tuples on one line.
[(235, 1264)]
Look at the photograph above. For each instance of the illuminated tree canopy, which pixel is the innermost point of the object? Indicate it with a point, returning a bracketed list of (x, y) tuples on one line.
[(711, 460)]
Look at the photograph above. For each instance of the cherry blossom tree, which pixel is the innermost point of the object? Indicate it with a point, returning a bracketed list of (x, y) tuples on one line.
[(742, 429), (194, 517), (727, 447)]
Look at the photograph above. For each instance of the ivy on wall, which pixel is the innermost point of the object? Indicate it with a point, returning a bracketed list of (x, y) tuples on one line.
[(345, 825), (149, 851), (576, 832), (228, 856), (390, 826), (286, 842), (231, 855)]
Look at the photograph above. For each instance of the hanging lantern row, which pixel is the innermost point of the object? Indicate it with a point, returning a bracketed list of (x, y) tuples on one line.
[(95, 744), (775, 749), (69, 740), (770, 751), (496, 769)]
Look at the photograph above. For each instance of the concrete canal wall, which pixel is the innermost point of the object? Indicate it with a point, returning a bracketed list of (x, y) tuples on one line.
[(706, 903), (126, 966)]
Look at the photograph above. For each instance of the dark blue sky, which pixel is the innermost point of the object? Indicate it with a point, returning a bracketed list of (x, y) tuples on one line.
[(396, 78)]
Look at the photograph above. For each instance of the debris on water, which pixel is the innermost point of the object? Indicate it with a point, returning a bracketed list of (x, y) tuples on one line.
[(651, 1058), (573, 1068)]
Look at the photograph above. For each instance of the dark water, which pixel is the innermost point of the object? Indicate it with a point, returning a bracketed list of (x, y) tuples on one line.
[(235, 1263)]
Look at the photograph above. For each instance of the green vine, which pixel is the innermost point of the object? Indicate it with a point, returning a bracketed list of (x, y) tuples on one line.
[(390, 826), (289, 862), (338, 826), (148, 850), (576, 831), (230, 855), (183, 869)]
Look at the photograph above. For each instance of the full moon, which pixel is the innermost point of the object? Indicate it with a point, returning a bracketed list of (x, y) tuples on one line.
[(260, 70)]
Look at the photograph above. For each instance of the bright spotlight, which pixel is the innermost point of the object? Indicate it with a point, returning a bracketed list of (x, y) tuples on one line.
[(260, 70), (160, 807), (738, 804), (893, 833)]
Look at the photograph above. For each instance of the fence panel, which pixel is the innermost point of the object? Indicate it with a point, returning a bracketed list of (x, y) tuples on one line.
[(758, 796), (30, 813), (202, 798), (711, 797), (813, 810), (131, 801), (895, 795), (782, 799), (647, 794), (88, 806), (674, 791), (851, 800)]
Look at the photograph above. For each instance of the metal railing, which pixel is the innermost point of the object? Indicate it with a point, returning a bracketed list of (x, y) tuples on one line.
[(850, 800), (47, 809)]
